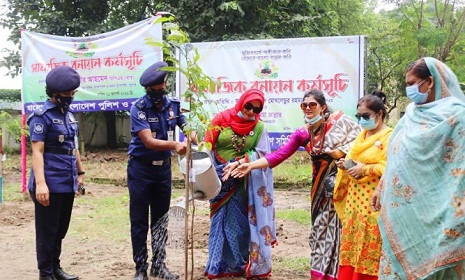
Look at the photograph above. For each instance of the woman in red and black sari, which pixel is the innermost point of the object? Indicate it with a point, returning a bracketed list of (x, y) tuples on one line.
[(326, 137), (242, 227)]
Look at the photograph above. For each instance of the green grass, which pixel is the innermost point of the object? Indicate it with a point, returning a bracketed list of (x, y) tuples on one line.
[(300, 216), (12, 192), (299, 266), (109, 167), (101, 218)]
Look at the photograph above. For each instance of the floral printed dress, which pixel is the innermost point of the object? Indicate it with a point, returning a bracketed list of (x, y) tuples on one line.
[(361, 240)]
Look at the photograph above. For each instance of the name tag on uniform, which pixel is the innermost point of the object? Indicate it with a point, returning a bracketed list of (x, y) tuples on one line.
[(58, 121), (170, 135), (153, 119)]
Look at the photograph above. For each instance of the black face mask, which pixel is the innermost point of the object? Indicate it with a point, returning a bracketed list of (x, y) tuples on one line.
[(64, 102), (156, 95)]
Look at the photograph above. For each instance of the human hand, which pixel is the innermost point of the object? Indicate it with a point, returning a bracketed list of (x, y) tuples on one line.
[(228, 169), (375, 200), (81, 189), (80, 180), (180, 148), (356, 171), (241, 170), (42, 194), (340, 163)]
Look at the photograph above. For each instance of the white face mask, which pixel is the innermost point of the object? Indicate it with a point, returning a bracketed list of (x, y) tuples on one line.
[(242, 116), (313, 120)]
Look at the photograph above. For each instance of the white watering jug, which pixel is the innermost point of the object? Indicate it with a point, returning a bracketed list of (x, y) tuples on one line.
[(207, 185)]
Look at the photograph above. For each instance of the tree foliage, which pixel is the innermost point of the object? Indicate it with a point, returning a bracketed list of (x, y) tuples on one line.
[(415, 28), (10, 95), (245, 19), (434, 28), (412, 30), (216, 20)]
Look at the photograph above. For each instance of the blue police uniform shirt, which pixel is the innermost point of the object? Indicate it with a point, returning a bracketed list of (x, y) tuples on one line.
[(145, 115), (58, 131)]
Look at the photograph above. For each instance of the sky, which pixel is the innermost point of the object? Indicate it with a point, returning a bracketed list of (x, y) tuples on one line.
[(6, 81)]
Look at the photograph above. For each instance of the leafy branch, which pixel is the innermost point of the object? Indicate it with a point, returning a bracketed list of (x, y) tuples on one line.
[(182, 57)]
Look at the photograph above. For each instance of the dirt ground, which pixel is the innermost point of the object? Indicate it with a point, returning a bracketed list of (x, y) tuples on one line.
[(107, 260)]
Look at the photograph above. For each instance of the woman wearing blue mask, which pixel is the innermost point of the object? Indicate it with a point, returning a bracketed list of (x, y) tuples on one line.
[(357, 178), (422, 218), (327, 137)]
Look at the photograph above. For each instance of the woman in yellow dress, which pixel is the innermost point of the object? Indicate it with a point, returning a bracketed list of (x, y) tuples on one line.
[(357, 178)]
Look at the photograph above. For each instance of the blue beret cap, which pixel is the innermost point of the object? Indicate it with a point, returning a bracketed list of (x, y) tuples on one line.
[(153, 76), (62, 79)]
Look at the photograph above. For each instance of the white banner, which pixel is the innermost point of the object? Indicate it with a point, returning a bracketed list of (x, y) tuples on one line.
[(284, 69), (110, 65)]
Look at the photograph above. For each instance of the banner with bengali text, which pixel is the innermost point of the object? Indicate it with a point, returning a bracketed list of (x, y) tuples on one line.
[(109, 64), (284, 69)]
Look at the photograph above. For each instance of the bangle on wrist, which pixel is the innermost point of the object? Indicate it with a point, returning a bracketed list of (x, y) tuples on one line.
[(81, 172), (378, 189), (238, 163)]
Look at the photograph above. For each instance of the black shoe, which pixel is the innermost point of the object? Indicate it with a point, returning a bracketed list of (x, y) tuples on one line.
[(163, 273), (48, 277), (141, 275), (61, 275)]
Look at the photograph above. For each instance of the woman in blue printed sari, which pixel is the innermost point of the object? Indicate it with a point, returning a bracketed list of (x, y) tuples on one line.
[(422, 218), (242, 226)]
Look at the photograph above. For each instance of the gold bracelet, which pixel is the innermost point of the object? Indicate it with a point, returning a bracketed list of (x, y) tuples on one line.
[(378, 189)]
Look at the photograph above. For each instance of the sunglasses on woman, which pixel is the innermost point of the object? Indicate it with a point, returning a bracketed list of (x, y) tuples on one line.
[(248, 106), (305, 105), (365, 116)]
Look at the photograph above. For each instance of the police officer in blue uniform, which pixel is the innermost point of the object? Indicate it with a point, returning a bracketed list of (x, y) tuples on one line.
[(154, 118), (56, 169)]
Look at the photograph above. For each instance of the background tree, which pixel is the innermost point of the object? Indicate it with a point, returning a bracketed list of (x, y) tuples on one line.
[(203, 20), (415, 28)]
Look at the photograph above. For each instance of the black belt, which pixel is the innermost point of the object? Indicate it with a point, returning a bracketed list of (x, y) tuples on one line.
[(150, 162), (60, 151)]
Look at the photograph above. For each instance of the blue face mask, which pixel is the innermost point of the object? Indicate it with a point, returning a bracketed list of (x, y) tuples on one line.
[(242, 116), (414, 94), (313, 120), (367, 124)]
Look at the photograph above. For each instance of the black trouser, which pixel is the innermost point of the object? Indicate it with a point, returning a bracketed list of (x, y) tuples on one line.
[(149, 188), (52, 223)]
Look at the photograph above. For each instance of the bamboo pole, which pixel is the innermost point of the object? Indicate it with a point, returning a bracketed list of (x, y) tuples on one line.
[(1, 167), (187, 183)]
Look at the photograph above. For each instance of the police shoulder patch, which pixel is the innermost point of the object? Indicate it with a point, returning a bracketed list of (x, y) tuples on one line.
[(38, 128), (141, 115)]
